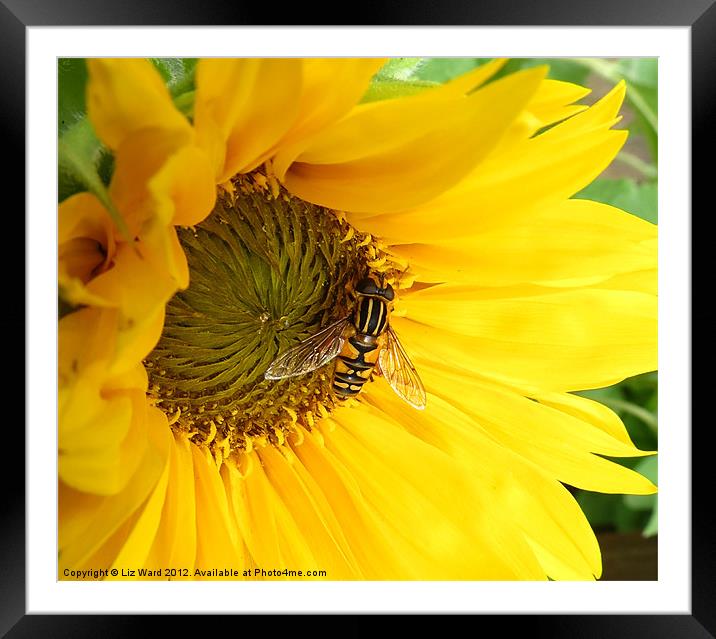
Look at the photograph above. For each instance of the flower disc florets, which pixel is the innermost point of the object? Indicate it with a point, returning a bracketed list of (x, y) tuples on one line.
[(267, 270)]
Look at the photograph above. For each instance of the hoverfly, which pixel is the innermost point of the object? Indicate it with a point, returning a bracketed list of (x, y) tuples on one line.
[(359, 341)]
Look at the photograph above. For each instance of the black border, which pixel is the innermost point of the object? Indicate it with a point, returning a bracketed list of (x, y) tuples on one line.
[(700, 15)]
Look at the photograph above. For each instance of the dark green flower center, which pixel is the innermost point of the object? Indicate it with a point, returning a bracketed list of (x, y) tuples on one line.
[(267, 270)]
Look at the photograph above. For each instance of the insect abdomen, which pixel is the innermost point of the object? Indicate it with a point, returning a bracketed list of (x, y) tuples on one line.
[(355, 363)]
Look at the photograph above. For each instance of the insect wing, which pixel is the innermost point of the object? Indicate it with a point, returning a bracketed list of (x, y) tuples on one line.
[(310, 354), (400, 372)]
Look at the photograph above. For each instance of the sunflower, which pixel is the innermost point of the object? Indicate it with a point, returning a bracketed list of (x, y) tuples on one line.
[(235, 228)]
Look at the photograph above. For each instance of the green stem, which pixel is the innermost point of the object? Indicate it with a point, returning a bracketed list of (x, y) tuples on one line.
[(185, 103), (645, 168), (637, 411)]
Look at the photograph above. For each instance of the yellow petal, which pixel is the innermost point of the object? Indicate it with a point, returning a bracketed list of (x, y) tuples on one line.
[(293, 546), (426, 511), (135, 550), (601, 113), (537, 505), (78, 260), (85, 339), (101, 456), (573, 242), (268, 524), (102, 430), (460, 85), (317, 524), (159, 175), (472, 80), (243, 107), (75, 510), (86, 246), (125, 95), (251, 502), (589, 411), (161, 244), (330, 88), (547, 168), (551, 101), (557, 442), (175, 543), (548, 424), (553, 339), (136, 340), (395, 154), (217, 542), (643, 281), (83, 216), (183, 190), (373, 541), (108, 550), (139, 286), (99, 519)]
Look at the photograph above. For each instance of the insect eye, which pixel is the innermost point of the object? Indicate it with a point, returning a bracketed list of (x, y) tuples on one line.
[(367, 287)]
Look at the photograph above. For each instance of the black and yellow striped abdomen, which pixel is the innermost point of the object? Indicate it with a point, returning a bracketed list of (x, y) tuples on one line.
[(363, 341), (355, 363)]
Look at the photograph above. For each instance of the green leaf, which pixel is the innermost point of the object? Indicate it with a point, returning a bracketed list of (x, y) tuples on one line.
[(79, 156), (628, 520), (399, 69), (177, 73), (599, 509), (563, 69), (645, 103), (179, 76), (648, 503), (641, 71), (602, 394), (185, 103), (441, 70), (420, 73), (641, 387), (389, 89), (651, 527), (640, 502), (397, 79), (638, 199), (72, 80), (648, 467)]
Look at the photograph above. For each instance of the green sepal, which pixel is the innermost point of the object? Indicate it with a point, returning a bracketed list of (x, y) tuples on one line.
[(640, 199), (390, 89), (179, 76), (80, 155), (72, 81)]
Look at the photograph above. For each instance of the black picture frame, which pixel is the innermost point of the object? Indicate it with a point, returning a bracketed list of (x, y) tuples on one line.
[(699, 15)]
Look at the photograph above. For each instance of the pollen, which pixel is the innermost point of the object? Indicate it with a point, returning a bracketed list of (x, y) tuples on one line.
[(267, 270)]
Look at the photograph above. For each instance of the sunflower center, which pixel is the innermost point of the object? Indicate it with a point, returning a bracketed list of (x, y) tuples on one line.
[(267, 270)]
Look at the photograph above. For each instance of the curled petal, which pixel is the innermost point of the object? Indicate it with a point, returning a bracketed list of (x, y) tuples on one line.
[(392, 155), (125, 95)]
